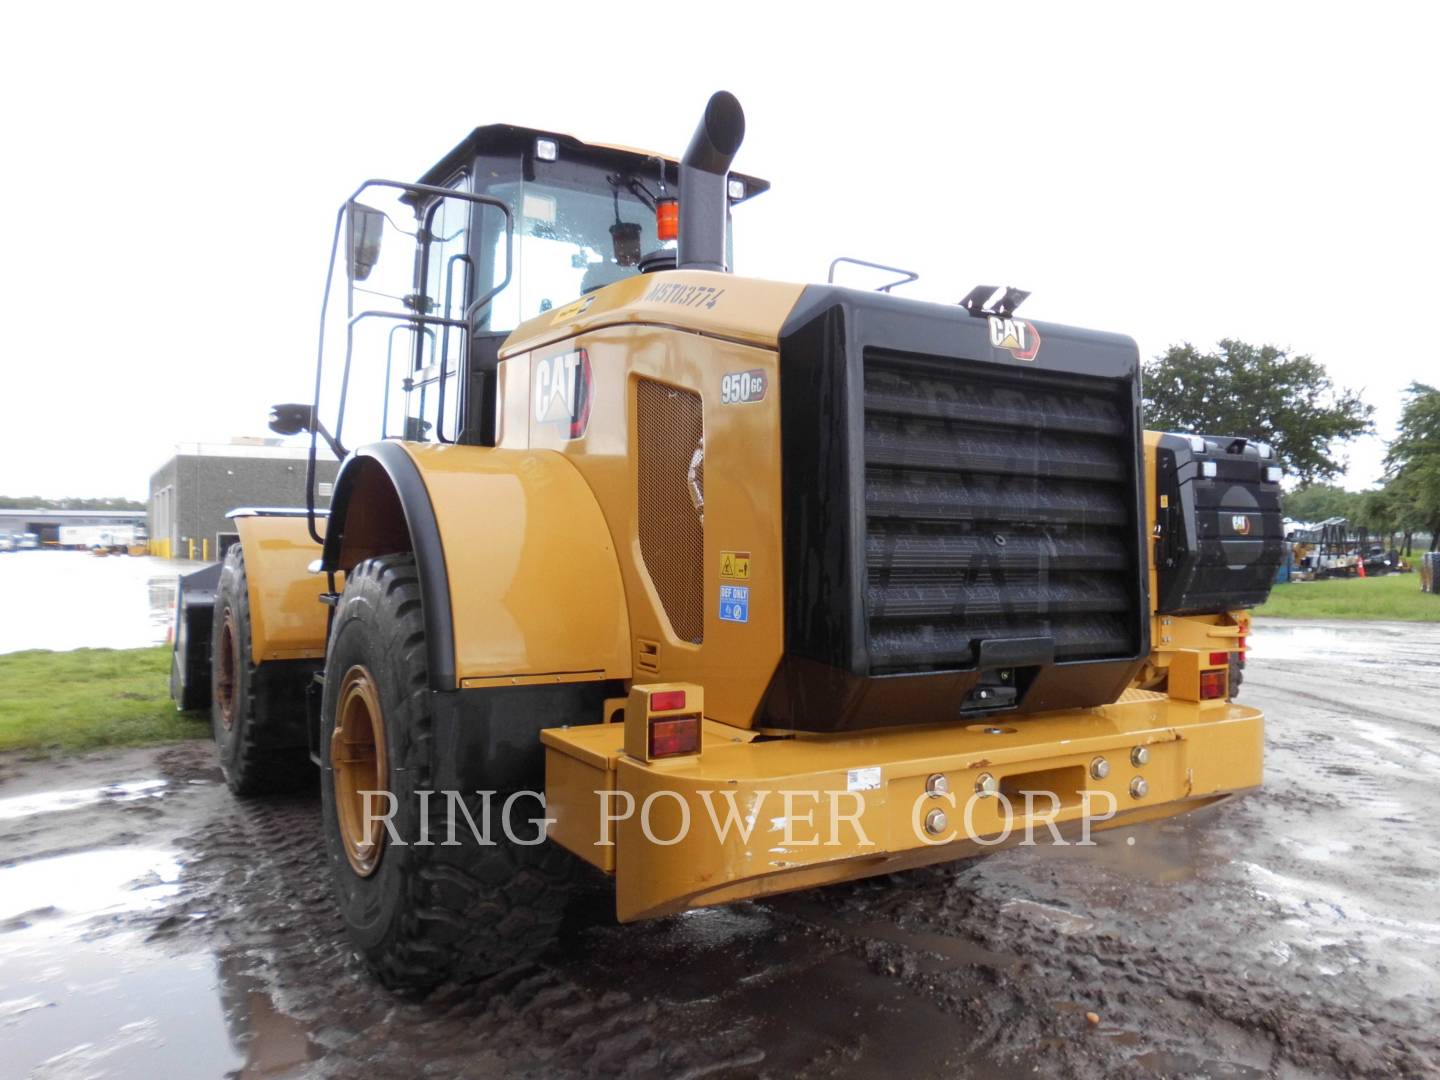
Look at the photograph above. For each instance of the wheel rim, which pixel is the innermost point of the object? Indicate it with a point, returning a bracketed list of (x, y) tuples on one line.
[(226, 682), (357, 757)]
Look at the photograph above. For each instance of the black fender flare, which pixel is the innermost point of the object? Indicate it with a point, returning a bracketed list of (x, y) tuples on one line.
[(425, 543)]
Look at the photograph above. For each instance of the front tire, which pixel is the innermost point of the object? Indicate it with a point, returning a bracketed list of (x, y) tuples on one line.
[(419, 913)]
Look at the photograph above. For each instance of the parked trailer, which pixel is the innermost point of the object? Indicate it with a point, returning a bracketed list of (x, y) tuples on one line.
[(108, 538)]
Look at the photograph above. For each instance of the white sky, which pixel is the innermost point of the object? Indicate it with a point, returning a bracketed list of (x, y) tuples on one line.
[(170, 176)]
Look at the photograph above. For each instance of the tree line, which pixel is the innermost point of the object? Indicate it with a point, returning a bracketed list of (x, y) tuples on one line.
[(1291, 402), (35, 502)]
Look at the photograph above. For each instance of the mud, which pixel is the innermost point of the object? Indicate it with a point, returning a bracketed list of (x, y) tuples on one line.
[(152, 926)]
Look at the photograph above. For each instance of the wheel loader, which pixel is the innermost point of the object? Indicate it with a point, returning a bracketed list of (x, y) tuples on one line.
[(713, 586)]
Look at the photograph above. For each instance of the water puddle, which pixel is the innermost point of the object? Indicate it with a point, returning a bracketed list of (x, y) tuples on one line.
[(1067, 922), (127, 602), (1367, 643), (106, 881), (54, 802), (84, 996)]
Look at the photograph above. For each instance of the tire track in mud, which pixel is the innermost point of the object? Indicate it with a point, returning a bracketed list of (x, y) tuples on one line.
[(1280, 934), (257, 891), (971, 960)]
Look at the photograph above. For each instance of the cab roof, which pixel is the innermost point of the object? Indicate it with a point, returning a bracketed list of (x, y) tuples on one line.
[(509, 140)]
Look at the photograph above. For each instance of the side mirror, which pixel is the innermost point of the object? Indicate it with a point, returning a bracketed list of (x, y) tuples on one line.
[(625, 239), (364, 228), (290, 419)]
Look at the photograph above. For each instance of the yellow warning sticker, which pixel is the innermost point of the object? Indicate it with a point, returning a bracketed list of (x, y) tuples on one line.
[(572, 310), (735, 564)]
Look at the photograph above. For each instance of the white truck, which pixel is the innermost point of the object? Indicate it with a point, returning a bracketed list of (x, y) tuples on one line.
[(102, 537)]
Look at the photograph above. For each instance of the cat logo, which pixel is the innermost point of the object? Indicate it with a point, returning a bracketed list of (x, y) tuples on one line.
[(1016, 336), (1240, 524), (561, 392)]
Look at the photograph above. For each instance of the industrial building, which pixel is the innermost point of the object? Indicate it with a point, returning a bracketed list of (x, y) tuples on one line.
[(46, 524), (192, 492)]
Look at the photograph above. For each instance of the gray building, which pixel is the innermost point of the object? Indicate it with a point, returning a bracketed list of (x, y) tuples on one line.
[(46, 524), (192, 492)]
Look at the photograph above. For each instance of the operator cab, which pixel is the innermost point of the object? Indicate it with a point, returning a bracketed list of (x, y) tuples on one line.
[(436, 282)]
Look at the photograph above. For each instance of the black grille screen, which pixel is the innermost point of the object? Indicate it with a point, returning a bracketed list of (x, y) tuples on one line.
[(997, 505)]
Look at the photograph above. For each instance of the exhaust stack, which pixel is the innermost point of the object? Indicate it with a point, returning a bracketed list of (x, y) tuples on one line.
[(704, 198)]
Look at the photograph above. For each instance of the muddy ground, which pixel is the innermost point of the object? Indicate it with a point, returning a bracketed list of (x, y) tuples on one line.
[(150, 925)]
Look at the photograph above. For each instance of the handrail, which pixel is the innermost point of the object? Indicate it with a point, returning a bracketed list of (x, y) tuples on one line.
[(910, 275), (414, 318)]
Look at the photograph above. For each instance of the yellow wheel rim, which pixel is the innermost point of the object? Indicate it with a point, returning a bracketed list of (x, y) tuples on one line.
[(360, 770)]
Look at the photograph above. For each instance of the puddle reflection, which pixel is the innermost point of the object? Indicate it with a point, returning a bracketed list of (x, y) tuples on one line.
[(80, 998)]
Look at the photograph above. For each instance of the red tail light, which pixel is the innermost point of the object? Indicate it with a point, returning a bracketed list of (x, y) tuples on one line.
[(675, 735), (1219, 658), (1213, 684), (667, 701)]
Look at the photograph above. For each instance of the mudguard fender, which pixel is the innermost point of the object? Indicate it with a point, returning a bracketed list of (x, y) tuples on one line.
[(518, 573)]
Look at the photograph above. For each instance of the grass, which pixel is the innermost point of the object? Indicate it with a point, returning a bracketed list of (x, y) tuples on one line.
[(89, 698), (1394, 596)]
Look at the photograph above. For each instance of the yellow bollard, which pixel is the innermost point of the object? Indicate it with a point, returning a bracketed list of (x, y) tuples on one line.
[(205, 549), (191, 550)]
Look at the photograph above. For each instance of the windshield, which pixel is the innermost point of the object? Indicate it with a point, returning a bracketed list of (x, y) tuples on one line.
[(571, 238)]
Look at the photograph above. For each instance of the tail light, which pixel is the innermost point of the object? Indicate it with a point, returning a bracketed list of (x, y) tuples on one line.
[(667, 701), (1219, 658), (1213, 684), (662, 720), (673, 736)]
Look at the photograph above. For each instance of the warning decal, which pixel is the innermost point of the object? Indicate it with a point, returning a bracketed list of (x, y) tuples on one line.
[(735, 564)]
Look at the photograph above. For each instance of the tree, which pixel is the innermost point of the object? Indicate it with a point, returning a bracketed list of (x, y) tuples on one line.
[(1262, 393), (1381, 513), (1316, 502), (1413, 460)]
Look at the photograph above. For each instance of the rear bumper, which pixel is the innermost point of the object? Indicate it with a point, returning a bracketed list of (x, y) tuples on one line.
[(751, 818)]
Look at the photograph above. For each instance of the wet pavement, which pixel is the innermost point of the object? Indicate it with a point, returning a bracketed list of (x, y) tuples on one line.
[(74, 600), (152, 926)]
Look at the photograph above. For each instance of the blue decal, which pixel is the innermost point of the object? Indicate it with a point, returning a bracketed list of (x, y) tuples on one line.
[(735, 603)]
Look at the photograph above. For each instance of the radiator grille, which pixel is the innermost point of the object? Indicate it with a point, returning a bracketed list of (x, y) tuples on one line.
[(996, 506), (670, 429)]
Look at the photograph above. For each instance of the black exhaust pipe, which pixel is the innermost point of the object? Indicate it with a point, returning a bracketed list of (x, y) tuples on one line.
[(704, 195)]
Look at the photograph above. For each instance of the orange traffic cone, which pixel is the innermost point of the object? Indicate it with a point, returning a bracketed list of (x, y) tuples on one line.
[(1360, 568)]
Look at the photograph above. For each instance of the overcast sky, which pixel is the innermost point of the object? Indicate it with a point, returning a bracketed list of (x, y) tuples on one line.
[(170, 176)]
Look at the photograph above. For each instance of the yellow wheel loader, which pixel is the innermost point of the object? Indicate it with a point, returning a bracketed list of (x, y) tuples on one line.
[(722, 586)]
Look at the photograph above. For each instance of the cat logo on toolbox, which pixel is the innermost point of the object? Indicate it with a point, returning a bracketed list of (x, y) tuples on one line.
[(562, 391), (1016, 336)]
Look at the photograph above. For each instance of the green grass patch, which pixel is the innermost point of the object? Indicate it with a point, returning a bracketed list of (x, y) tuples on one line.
[(1394, 596), (89, 698)]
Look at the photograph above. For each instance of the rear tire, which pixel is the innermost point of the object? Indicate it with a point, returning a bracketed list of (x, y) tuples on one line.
[(245, 739), (419, 914)]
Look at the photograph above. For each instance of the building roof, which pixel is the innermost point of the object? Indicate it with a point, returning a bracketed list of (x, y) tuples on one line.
[(242, 450)]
